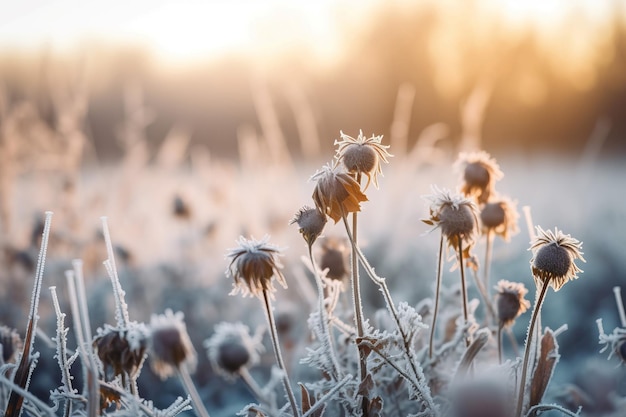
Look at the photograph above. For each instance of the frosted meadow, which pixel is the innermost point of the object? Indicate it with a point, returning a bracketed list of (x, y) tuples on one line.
[(438, 289)]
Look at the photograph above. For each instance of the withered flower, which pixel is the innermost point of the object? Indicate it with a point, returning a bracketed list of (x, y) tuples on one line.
[(510, 301), (500, 216), (232, 348), (253, 265), (363, 155), (170, 345), (479, 174), (121, 350), (553, 259), (311, 222), (334, 257), (336, 193)]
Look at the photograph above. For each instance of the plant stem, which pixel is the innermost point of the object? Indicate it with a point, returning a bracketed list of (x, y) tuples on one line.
[(463, 286), (185, 379), (255, 389), (527, 348), (279, 357), (324, 318), (500, 343), (437, 290), (487, 267), (620, 305)]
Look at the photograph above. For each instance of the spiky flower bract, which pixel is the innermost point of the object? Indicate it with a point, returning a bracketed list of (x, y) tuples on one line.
[(510, 301), (311, 222), (501, 217), (336, 193), (554, 255), (363, 155), (121, 349), (170, 345), (231, 348), (455, 215), (253, 265), (479, 174)]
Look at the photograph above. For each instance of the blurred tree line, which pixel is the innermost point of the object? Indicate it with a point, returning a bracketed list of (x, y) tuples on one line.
[(532, 91)]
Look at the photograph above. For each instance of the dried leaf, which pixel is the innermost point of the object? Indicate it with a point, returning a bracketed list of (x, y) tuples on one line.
[(308, 401), (366, 386), (548, 358), (480, 340), (375, 407)]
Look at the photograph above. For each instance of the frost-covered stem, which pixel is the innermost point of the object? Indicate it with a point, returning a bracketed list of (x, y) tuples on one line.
[(22, 373), (381, 282), (463, 286), (437, 289), (93, 388), (620, 305), (487, 267), (547, 407), (120, 304), (500, 343), (327, 396), (324, 317), (255, 389), (279, 357), (78, 329), (61, 342), (528, 348), (32, 399), (185, 379), (491, 312)]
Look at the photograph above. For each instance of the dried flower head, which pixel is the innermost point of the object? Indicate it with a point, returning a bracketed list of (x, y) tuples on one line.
[(336, 193), (480, 173), (501, 217), (10, 345), (231, 348), (122, 350), (170, 345), (334, 257), (455, 215), (311, 222), (553, 259), (510, 302), (363, 155), (252, 266)]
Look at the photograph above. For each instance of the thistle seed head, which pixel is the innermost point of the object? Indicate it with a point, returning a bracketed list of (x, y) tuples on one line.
[(362, 155), (170, 345), (311, 222), (510, 302), (336, 193), (253, 265), (121, 350), (231, 348), (553, 259), (479, 174), (454, 214), (501, 217), (10, 344)]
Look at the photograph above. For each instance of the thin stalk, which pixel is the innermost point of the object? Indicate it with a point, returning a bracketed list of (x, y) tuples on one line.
[(62, 350), (491, 311), (527, 349), (185, 379), (463, 286), (279, 357), (437, 290), (324, 317), (488, 255), (255, 389), (500, 343), (620, 305)]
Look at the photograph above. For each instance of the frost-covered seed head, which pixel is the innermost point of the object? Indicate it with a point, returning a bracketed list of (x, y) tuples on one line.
[(231, 348), (501, 217), (362, 155), (311, 222), (479, 174), (553, 259), (454, 214), (121, 350), (336, 193), (253, 265), (333, 257), (170, 345), (10, 344), (510, 302)]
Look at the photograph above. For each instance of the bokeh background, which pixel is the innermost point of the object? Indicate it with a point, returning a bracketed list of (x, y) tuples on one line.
[(191, 123)]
